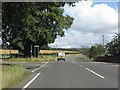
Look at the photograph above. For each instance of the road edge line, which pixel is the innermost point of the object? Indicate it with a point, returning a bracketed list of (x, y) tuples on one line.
[(39, 67), (81, 66), (30, 82)]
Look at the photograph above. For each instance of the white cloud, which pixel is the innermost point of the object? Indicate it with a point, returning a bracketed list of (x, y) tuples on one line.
[(90, 23)]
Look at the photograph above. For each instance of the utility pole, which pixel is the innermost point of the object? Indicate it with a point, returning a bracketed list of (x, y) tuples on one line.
[(56, 51), (103, 40), (31, 51)]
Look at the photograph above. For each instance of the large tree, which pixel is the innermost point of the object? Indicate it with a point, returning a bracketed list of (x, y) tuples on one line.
[(113, 47), (96, 50), (32, 23)]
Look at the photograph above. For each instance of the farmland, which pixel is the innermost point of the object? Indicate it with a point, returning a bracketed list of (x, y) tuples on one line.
[(2, 51), (55, 51), (45, 55)]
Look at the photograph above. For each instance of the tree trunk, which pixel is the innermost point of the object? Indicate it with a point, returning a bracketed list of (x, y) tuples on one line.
[(27, 51)]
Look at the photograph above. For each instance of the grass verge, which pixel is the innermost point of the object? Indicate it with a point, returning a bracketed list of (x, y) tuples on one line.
[(0, 76), (12, 75), (41, 58), (81, 57)]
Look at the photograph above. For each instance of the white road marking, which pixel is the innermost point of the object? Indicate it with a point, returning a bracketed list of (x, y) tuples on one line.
[(100, 62), (115, 65), (40, 67), (30, 82), (95, 73), (81, 65)]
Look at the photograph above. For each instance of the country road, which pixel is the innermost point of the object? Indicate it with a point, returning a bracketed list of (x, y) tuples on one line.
[(72, 74)]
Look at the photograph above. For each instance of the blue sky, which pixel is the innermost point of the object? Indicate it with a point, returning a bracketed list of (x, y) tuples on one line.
[(92, 19), (110, 3)]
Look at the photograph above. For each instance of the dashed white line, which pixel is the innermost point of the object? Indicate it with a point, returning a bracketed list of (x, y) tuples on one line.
[(95, 73), (81, 65), (30, 82), (99, 62), (115, 65), (40, 67)]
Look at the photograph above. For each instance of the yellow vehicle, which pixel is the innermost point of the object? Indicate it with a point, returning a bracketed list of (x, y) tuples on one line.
[(61, 56)]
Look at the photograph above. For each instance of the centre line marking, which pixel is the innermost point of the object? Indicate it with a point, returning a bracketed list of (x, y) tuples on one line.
[(30, 82), (95, 73), (81, 65), (40, 67)]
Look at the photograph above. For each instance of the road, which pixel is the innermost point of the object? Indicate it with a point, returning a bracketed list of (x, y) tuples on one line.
[(72, 74)]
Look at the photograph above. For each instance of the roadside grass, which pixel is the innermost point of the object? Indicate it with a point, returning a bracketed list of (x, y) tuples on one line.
[(81, 57), (0, 77), (12, 75), (41, 58), (74, 54)]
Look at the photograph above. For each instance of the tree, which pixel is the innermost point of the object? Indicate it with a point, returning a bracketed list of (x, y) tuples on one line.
[(45, 47), (30, 23), (113, 47), (100, 50), (96, 50), (92, 52)]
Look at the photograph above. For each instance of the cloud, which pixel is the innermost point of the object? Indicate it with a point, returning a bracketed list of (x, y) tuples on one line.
[(90, 23)]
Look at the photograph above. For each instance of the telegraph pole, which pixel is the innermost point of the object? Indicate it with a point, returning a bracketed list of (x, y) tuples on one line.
[(56, 50), (31, 51), (103, 40)]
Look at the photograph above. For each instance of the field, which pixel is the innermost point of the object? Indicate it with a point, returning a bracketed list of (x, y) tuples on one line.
[(8, 51), (55, 51), (41, 51), (45, 55)]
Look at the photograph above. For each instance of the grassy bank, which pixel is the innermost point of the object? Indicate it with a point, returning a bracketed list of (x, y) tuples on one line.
[(41, 58), (0, 76), (12, 75), (81, 57)]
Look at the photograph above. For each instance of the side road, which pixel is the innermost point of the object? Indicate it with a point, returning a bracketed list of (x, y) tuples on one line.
[(28, 65)]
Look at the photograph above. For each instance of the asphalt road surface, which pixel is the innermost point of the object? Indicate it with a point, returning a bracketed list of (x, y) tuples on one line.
[(72, 74)]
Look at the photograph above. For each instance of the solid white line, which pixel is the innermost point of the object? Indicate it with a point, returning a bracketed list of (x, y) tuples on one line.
[(81, 65), (30, 82), (95, 73), (40, 67)]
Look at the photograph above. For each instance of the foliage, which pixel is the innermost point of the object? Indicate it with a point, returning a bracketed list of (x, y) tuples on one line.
[(113, 47), (27, 24), (96, 50), (45, 47)]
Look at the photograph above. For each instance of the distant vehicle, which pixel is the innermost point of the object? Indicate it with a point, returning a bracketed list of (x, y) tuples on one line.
[(61, 56)]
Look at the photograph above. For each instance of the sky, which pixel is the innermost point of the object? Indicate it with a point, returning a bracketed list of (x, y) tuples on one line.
[(92, 20)]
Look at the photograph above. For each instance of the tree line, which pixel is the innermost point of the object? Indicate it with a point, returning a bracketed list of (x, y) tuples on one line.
[(111, 48)]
